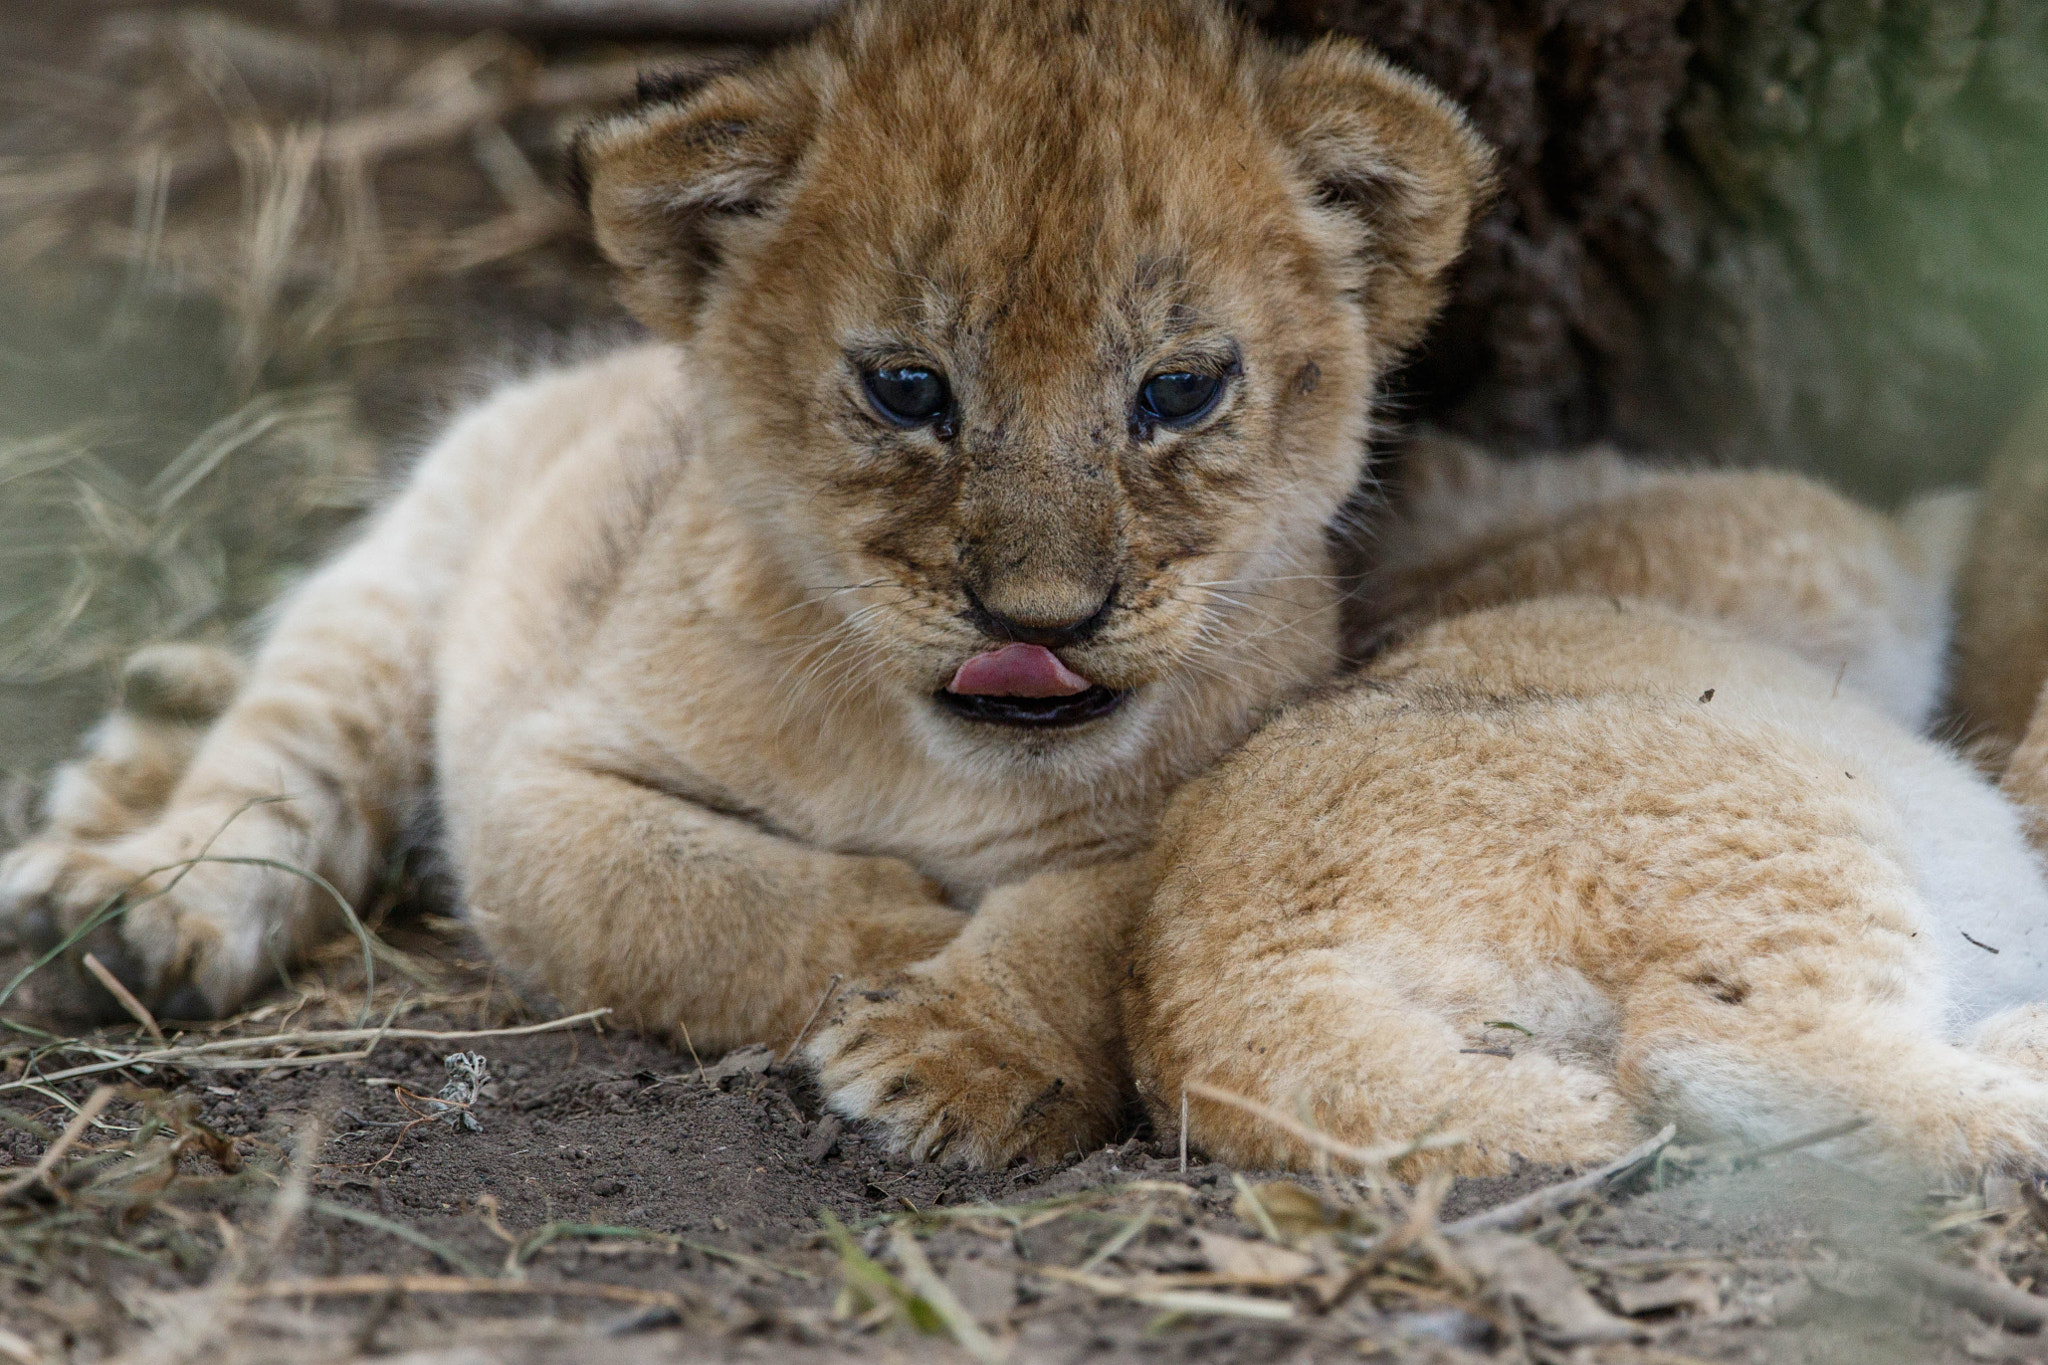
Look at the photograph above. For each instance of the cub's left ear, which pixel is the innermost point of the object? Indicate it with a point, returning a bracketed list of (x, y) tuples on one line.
[(688, 177), (1395, 172)]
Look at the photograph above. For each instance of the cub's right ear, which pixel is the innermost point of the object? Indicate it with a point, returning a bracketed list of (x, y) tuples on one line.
[(677, 183)]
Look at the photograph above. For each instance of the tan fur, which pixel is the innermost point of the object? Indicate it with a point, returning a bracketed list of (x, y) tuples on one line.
[(1604, 800), (1774, 554), (2026, 773), (2000, 693), (661, 633), (169, 695), (2002, 601)]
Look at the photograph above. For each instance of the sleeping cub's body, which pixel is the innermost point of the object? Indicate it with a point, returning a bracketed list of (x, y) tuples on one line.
[(1567, 862)]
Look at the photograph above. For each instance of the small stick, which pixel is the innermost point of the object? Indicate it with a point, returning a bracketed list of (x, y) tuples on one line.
[(1369, 1157), (1813, 1139), (346, 1285), (1183, 1130), (137, 1011), (186, 1055), (1172, 1301), (693, 1053), (87, 1112), (2002, 1303), (1507, 1217), (816, 1010)]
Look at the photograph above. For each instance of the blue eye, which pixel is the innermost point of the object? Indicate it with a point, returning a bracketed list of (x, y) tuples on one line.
[(1179, 398), (909, 395)]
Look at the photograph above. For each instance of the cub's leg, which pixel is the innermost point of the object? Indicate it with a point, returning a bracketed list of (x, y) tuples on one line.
[(1798, 1055), (169, 695), (1008, 1041), (312, 767), (1325, 1041), (607, 891), (317, 761)]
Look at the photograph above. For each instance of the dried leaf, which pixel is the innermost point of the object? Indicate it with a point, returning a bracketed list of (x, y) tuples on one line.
[(1536, 1280), (1687, 1289), (1254, 1262), (740, 1062), (1300, 1212)]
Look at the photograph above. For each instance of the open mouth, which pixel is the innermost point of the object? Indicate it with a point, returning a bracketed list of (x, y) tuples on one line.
[(1025, 685)]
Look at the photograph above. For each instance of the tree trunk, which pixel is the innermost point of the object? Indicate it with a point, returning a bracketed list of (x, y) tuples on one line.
[(1812, 232)]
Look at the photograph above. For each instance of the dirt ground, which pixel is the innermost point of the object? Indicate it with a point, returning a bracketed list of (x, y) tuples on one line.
[(231, 299), (619, 1200)]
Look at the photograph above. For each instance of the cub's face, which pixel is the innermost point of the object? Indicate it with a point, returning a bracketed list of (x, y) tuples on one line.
[(1040, 335)]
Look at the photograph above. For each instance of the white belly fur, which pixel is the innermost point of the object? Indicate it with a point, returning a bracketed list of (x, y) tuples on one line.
[(1978, 877)]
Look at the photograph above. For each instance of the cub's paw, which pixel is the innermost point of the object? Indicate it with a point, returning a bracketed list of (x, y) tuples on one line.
[(172, 945), (950, 1075)]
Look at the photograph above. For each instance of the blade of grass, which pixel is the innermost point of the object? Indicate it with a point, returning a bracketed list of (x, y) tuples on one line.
[(447, 1254), (872, 1282), (922, 1280)]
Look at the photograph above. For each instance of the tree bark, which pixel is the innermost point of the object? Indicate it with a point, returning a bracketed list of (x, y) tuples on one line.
[(694, 18)]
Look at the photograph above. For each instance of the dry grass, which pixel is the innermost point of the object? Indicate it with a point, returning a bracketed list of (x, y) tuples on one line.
[(298, 209)]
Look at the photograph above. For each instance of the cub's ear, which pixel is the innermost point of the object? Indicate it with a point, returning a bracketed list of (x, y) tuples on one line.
[(1395, 171), (678, 181)]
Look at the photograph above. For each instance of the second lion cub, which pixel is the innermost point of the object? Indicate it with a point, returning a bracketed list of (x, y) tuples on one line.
[(1592, 847)]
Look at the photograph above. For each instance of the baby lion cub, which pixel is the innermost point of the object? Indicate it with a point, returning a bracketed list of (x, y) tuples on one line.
[(1625, 826), (1014, 358)]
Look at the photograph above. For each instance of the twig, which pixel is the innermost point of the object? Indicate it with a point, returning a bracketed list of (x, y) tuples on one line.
[(197, 1055), (1370, 1157), (87, 1112), (816, 1010), (137, 1011), (2002, 1303), (1183, 1130), (1173, 1301), (1813, 1139), (1507, 1217), (693, 1053), (337, 1286)]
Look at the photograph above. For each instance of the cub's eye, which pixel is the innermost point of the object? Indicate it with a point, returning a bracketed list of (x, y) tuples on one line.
[(909, 395), (1179, 398)]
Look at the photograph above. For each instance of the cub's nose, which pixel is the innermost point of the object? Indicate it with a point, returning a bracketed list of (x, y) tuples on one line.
[(1039, 623)]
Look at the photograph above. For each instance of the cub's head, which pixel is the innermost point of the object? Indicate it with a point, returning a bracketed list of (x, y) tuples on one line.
[(1040, 335)]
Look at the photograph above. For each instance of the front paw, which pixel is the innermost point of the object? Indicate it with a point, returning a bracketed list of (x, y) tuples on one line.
[(157, 932), (947, 1074)]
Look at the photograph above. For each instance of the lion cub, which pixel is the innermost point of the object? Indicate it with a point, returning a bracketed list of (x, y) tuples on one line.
[(1012, 361), (1626, 826)]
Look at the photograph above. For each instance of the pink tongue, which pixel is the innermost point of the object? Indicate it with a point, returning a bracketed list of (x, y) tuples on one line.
[(1017, 671)]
